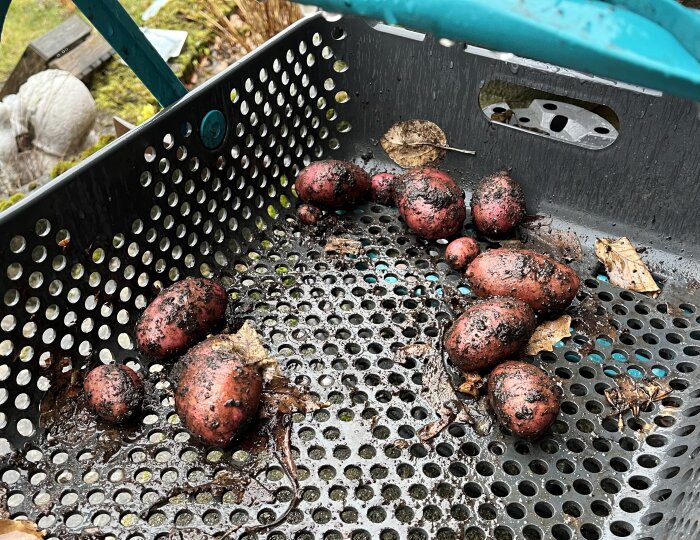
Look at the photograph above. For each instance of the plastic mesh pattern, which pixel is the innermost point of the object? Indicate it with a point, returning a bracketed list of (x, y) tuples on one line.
[(335, 323)]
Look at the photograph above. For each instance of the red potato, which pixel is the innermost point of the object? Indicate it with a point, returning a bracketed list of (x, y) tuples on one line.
[(430, 202), (217, 393), (382, 188), (114, 392), (489, 332), (179, 316), (545, 284), (526, 400), (498, 205), (333, 184), (461, 252), (309, 214)]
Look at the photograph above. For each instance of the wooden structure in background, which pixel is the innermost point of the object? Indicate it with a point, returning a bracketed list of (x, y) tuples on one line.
[(72, 46)]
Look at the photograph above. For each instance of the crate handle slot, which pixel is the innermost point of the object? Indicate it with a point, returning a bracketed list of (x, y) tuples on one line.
[(539, 113), (122, 33)]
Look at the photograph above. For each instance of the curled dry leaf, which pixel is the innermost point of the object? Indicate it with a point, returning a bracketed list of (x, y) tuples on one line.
[(446, 414), (624, 266), (414, 143), (280, 397), (634, 395), (343, 246), (480, 416), (473, 383), (401, 443), (547, 334), (19, 529), (414, 350), (248, 344)]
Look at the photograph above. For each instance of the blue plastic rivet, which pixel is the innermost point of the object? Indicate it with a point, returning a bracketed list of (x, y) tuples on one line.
[(212, 130)]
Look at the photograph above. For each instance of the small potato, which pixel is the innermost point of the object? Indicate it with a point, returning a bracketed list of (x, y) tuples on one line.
[(114, 392), (382, 188), (545, 284), (309, 214), (461, 252), (489, 332), (526, 400), (216, 393), (333, 184), (498, 205), (179, 316), (430, 202)]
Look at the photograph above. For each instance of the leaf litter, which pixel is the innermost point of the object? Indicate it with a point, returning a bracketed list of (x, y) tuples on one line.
[(536, 233), (634, 395), (439, 390), (19, 529), (624, 266), (547, 334), (414, 143)]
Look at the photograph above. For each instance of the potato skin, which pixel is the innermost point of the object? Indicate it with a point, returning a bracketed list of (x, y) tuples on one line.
[(382, 188), (333, 184), (489, 332), (309, 214), (547, 285), (526, 400), (216, 393), (460, 252), (179, 316), (114, 392), (430, 202), (497, 205)]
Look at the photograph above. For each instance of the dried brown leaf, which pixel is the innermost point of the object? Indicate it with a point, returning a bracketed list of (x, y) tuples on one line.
[(19, 529), (624, 266), (343, 246), (248, 344), (547, 334), (635, 394), (473, 383), (414, 350), (414, 143), (401, 443), (446, 414)]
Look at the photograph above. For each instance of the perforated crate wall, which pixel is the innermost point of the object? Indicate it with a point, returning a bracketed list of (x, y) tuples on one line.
[(83, 257)]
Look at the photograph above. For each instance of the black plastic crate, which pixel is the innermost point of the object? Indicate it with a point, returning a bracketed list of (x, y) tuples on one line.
[(85, 254)]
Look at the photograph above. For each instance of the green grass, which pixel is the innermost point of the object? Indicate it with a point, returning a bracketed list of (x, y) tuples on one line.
[(117, 90), (26, 20)]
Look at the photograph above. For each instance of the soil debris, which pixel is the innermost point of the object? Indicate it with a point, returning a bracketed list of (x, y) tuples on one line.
[(591, 320), (537, 234)]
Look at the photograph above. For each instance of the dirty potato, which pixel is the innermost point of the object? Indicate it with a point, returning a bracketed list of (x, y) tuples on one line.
[(179, 316), (545, 284), (489, 332), (525, 399)]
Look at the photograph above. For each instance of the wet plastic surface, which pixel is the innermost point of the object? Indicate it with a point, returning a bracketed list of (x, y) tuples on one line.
[(83, 257)]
